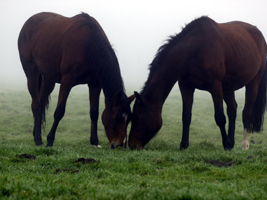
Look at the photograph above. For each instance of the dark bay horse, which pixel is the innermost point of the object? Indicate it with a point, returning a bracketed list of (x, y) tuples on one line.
[(218, 58), (71, 51)]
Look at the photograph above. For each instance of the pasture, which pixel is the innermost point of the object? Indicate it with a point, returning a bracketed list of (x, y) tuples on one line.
[(160, 171)]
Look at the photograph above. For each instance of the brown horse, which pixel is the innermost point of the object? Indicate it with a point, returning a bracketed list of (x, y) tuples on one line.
[(71, 51), (218, 58)]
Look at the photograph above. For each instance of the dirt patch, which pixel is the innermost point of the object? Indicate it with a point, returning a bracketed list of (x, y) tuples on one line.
[(253, 142), (218, 163), (86, 160), (72, 171), (27, 156)]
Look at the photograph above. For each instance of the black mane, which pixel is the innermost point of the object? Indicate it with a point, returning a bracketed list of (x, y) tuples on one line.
[(101, 55), (162, 52)]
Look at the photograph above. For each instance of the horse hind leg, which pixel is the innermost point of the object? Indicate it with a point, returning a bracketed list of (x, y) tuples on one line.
[(34, 81), (251, 94), (33, 87), (255, 106)]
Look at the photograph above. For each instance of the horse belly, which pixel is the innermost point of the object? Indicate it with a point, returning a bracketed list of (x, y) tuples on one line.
[(239, 74), (199, 82)]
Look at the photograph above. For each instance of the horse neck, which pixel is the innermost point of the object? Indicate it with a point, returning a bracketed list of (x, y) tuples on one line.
[(112, 84), (160, 85)]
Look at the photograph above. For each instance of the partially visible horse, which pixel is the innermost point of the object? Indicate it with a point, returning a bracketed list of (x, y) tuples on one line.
[(71, 51), (218, 58)]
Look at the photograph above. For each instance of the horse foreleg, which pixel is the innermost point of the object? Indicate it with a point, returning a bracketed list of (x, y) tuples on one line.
[(65, 87), (217, 96), (229, 99), (94, 92), (187, 97)]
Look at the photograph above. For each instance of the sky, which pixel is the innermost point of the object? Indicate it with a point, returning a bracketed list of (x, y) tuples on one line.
[(135, 28)]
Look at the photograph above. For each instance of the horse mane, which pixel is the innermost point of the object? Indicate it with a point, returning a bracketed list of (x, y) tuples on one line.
[(192, 28), (101, 55)]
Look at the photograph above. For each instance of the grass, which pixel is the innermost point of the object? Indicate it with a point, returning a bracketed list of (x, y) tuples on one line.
[(161, 171)]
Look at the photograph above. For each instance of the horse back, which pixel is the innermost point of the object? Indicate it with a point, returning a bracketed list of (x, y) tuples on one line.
[(57, 44)]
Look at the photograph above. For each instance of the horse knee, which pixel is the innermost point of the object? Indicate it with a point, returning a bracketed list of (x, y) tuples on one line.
[(220, 119), (59, 113)]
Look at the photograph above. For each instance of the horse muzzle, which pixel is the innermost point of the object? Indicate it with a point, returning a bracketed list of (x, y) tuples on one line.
[(113, 145)]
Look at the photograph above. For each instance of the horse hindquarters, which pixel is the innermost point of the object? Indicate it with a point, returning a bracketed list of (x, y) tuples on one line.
[(255, 106)]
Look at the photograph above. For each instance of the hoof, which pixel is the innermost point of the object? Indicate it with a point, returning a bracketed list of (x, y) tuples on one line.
[(228, 147), (39, 143), (245, 145), (49, 145), (183, 147), (97, 146)]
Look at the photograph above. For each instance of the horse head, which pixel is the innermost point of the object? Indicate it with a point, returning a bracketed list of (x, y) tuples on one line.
[(116, 118), (146, 122)]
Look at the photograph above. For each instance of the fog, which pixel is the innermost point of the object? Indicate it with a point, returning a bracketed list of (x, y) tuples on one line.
[(136, 29)]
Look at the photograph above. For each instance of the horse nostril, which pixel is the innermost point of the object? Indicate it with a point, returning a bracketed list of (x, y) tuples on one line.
[(112, 146)]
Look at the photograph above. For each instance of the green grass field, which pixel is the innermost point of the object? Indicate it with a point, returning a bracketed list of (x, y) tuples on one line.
[(160, 171)]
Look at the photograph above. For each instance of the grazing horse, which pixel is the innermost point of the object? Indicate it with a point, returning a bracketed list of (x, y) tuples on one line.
[(218, 58), (71, 51)]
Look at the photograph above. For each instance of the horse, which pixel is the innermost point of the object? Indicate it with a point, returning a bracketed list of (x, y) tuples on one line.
[(72, 51), (216, 57)]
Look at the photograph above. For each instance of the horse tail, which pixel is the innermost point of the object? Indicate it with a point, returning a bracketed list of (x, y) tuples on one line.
[(260, 105), (44, 103)]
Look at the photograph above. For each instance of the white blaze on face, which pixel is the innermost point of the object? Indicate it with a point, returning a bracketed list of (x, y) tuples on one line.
[(125, 116), (245, 143)]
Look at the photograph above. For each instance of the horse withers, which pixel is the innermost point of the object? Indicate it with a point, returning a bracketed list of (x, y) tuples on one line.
[(71, 51), (218, 58)]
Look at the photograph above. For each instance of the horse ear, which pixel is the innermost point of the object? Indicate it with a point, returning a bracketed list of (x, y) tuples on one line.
[(131, 98), (138, 97)]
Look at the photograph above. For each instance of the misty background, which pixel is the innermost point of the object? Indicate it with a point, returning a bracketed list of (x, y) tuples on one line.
[(136, 29)]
